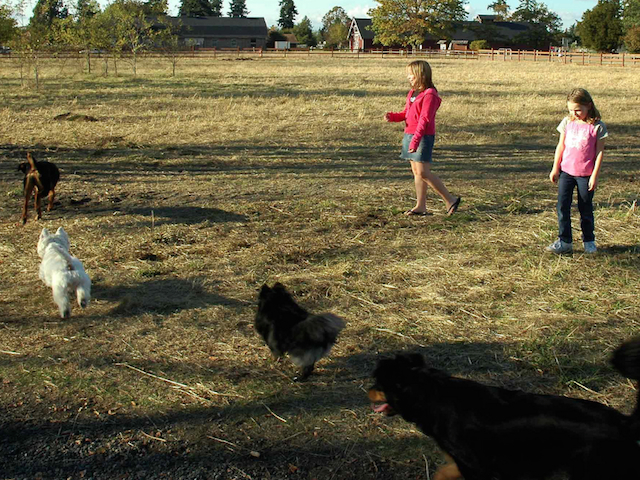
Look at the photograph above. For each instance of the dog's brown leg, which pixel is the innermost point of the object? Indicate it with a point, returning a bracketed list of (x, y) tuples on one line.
[(28, 191), (52, 195), (38, 203)]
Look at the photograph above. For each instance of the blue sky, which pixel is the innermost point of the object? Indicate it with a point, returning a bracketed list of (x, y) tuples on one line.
[(569, 10)]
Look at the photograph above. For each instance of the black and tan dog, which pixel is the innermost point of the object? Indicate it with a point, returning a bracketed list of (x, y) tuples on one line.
[(490, 433), (40, 178)]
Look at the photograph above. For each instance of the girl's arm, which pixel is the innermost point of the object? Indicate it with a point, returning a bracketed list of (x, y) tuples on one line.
[(593, 179), (427, 114), (555, 170), (398, 116)]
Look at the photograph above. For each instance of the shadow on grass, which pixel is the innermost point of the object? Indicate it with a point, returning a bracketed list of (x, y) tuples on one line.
[(163, 296), (323, 427)]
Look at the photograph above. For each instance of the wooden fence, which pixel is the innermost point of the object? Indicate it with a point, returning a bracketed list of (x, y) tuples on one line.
[(501, 55)]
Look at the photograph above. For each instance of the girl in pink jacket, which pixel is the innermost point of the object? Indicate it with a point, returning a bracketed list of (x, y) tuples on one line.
[(419, 115)]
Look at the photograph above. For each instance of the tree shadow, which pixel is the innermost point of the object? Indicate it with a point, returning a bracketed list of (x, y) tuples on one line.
[(162, 296)]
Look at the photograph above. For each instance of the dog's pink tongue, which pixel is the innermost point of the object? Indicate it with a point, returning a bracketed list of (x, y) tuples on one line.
[(381, 408)]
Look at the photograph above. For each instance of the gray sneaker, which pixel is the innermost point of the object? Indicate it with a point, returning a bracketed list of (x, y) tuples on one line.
[(590, 247), (560, 247)]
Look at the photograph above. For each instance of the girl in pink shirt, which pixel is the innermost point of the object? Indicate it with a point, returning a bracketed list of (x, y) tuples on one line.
[(419, 115), (577, 164)]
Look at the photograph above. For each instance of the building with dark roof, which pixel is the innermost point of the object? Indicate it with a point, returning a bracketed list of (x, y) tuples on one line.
[(223, 32)]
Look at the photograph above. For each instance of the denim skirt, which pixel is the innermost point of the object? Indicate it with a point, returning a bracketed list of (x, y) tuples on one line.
[(424, 152)]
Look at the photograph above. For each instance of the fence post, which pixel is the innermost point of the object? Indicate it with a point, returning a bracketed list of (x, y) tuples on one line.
[(331, 52), (535, 55), (214, 52), (601, 58), (623, 59)]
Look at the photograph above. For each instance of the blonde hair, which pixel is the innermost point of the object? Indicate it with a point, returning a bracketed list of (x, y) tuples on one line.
[(421, 70), (582, 97)]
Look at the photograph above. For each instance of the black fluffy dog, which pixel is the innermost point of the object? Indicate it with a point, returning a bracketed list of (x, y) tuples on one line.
[(490, 433), (288, 328), (41, 178)]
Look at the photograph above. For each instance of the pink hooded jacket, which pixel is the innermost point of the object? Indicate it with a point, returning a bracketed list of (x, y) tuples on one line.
[(419, 116)]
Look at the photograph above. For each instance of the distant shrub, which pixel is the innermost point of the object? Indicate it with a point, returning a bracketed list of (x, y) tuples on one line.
[(632, 40), (479, 45)]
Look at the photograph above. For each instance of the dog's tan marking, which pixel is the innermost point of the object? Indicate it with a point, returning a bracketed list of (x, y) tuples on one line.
[(448, 471), (376, 396)]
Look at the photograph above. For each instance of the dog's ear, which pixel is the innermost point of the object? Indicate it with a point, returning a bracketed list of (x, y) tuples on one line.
[(412, 360), (264, 290), (23, 167), (44, 233), (279, 286)]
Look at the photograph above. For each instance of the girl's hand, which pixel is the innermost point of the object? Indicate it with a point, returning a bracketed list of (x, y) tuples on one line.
[(593, 183), (412, 150), (387, 117), (553, 176)]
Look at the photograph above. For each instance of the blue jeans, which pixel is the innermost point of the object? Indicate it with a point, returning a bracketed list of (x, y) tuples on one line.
[(566, 185)]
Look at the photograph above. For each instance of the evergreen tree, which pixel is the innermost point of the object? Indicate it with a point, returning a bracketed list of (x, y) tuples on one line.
[(46, 12), (545, 23), (195, 8), (630, 14), (601, 27), (216, 6), (238, 8), (288, 13), (304, 33), (87, 9)]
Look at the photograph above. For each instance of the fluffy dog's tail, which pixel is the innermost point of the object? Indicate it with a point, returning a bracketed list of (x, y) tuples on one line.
[(324, 327), (626, 359)]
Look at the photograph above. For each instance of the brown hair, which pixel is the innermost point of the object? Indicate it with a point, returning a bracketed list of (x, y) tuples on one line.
[(422, 71), (582, 97)]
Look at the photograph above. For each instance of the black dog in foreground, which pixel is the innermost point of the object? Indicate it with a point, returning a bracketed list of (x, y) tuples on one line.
[(41, 177), (490, 433), (288, 328)]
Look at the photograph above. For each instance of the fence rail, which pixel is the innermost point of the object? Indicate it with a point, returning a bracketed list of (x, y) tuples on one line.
[(503, 55)]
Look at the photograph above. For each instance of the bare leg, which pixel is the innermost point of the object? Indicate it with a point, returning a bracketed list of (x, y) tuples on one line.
[(423, 171), (421, 190)]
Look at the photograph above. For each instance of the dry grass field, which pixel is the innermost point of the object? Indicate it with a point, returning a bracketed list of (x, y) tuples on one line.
[(190, 192)]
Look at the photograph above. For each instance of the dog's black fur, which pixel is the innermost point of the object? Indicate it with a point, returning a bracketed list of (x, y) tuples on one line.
[(286, 327), (41, 177), (496, 434)]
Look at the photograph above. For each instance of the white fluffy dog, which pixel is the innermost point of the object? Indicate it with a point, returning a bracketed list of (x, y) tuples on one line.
[(62, 272)]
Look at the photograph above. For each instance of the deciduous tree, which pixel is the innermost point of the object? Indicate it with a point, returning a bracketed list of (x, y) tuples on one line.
[(500, 8), (8, 25), (335, 27), (408, 22)]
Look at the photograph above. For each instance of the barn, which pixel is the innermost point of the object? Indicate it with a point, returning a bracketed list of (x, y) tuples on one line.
[(223, 32)]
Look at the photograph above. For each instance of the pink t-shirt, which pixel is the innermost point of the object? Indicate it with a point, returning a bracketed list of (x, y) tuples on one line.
[(580, 138)]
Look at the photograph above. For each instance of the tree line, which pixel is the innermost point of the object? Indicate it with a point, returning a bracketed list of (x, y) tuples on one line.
[(137, 25)]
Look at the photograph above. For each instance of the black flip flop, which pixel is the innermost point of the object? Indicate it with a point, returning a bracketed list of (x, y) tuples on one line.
[(454, 207), (410, 213)]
